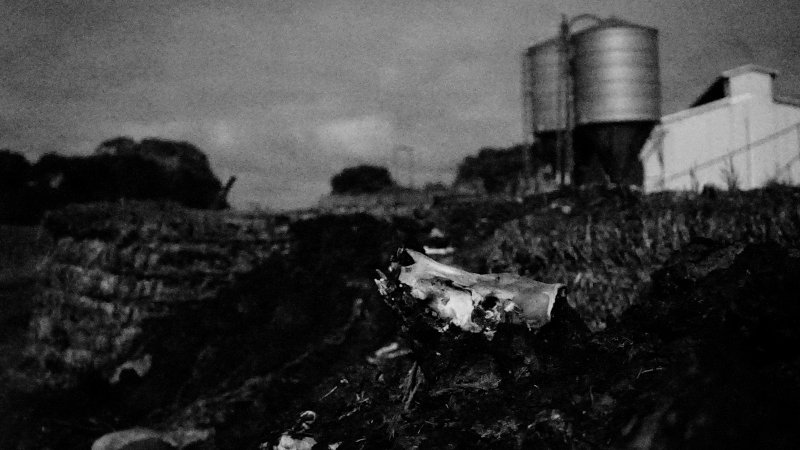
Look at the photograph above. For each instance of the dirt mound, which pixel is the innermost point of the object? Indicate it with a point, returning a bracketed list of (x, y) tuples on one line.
[(706, 357), (730, 345), (709, 359)]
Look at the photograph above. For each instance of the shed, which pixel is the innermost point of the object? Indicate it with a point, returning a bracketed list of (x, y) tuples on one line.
[(736, 134)]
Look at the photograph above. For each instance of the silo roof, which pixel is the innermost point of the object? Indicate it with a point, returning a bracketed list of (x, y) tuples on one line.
[(614, 22), (544, 43), (749, 68)]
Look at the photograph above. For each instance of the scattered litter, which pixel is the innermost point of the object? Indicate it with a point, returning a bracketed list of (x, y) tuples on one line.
[(287, 442), (387, 352)]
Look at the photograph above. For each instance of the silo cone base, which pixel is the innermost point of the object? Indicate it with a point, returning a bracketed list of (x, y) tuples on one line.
[(609, 152)]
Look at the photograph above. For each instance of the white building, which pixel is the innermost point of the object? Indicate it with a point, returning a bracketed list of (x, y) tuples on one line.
[(737, 133)]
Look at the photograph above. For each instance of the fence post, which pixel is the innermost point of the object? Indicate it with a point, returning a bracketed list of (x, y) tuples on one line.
[(791, 172), (749, 150), (797, 130)]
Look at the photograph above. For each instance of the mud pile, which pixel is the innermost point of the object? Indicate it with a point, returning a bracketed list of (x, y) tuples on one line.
[(708, 359), (696, 294)]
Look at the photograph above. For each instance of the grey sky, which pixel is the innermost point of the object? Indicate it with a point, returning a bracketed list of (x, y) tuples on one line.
[(285, 94)]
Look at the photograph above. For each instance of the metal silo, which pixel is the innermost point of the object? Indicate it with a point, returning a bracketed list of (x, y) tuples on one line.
[(545, 72), (547, 69), (617, 98)]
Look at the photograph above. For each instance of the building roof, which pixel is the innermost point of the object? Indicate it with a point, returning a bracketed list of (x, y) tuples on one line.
[(749, 68), (791, 101), (717, 89), (713, 93)]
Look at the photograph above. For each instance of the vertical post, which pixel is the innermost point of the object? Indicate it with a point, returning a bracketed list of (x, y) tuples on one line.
[(410, 152), (797, 130), (565, 147), (395, 165), (527, 107), (748, 150), (659, 144), (527, 125), (567, 150), (560, 99), (397, 156), (412, 167)]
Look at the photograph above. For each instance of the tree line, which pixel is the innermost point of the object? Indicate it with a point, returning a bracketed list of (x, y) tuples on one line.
[(151, 169), (493, 170), (160, 169)]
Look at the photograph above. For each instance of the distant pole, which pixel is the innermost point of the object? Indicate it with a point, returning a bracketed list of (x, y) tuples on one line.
[(411, 167), (567, 82), (749, 148), (409, 151), (791, 174), (527, 125), (568, 151), (395, 166), (525, 97)]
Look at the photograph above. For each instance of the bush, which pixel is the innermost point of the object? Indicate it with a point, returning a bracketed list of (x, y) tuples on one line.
[(15, 198), (14, 170), (363, 179), (499, 169), (120, 168)]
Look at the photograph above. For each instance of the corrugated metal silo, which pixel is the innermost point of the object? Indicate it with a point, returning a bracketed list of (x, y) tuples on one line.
[(617, 100), (546, 68), (547, 71), (616, 73)]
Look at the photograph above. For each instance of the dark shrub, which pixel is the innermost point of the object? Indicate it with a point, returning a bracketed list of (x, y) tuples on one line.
[(363, 179)]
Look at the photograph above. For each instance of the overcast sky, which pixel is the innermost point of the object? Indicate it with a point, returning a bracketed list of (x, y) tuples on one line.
[(284, 94)]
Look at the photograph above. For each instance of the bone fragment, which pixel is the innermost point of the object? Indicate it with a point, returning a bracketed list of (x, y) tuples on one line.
[(462, 297)]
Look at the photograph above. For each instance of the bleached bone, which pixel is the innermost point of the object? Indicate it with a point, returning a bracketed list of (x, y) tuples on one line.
[(460, 297)]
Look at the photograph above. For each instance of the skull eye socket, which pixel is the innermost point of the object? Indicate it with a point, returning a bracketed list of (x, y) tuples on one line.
[(489, 302)]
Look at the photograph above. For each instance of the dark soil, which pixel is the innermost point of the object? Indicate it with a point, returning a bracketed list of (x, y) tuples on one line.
[(710, 364), (703, 351)]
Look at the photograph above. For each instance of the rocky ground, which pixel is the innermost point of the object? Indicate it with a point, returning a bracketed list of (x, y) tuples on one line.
[(679, 329)]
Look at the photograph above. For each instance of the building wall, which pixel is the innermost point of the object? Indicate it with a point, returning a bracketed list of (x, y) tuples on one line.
[(748, 137)]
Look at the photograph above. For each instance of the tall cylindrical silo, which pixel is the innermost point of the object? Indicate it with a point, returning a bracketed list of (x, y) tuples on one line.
[(546, 67), (617, 100)]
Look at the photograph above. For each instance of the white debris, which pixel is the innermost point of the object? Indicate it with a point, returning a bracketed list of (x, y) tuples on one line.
[(454, 293), (120, 439), (287, 442), (436, 233), (387, 352), (141, 366), (438, 251)]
